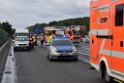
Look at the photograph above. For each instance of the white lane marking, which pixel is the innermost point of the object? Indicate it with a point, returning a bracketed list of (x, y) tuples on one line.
[(86, 61), (86, 48), (9, 74), (83, 53)]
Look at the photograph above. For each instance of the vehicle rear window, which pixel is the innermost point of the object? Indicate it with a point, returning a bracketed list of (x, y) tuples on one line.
[(22, 34), (61, 43)]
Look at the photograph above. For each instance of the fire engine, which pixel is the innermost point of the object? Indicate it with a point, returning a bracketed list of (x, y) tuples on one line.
[(73, 34), (107, 38)]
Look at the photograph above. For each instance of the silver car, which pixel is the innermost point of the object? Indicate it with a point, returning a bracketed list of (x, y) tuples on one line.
[(21, 43)]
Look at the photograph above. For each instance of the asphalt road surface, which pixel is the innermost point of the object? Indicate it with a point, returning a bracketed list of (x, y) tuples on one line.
[(33, 67)]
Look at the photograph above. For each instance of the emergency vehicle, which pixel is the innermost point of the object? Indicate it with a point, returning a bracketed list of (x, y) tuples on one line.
[(73, 35), (61, 47), (107, 38)]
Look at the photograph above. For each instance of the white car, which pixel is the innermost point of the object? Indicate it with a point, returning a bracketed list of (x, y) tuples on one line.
[(21, 43)]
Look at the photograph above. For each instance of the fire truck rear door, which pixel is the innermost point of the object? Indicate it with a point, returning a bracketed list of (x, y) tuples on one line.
[(93, 33)]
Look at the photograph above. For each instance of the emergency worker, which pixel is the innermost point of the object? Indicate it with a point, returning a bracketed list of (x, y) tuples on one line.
[(34, 40), (31, 43), (50, 38), (42, 39), (35, 36), (71, 37)]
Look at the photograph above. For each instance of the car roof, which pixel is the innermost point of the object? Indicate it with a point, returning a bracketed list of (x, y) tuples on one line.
[(21, 36)]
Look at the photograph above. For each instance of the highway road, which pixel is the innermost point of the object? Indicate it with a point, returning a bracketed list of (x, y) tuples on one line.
[(33, 67)]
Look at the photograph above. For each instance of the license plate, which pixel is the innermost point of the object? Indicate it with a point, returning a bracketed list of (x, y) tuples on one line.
[(63, 54)]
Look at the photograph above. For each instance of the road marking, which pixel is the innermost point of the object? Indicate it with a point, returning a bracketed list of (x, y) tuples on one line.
[(85, 48), (83, 53), (118, 81), (86, 61), (9, 74)]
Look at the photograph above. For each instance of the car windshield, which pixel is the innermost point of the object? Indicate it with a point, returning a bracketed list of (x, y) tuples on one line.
[(21, 39), (22, 34), (61, 43)]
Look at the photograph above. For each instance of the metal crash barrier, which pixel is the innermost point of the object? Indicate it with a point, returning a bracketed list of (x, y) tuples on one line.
[(4, 36), (5, 43)]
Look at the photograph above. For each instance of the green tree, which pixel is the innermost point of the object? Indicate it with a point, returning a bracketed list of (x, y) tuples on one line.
[(6, 26), (66, 22)]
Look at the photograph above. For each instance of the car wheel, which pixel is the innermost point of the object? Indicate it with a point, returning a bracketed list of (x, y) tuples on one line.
[(108, 78), (15, 49), (105, 75), (29, 49)]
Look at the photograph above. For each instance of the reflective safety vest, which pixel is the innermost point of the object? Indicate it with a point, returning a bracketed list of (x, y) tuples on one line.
[(71, 37), (34, 39), (50, 38)]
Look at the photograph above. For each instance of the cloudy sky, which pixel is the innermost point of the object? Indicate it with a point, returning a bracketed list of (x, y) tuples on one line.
[(22, 13)]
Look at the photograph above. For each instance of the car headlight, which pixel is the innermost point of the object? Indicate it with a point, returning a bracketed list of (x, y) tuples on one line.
[(74, 49), (53, 49), (16, 44)]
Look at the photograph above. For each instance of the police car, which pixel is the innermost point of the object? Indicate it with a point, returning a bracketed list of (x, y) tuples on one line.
[(62, 48)]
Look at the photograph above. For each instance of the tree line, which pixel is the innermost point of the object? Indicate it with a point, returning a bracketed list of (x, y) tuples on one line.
[(66, 22), (6, 26)]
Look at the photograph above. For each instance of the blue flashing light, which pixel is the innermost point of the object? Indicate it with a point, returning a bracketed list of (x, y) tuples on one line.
[(64, 35), (60, 37)]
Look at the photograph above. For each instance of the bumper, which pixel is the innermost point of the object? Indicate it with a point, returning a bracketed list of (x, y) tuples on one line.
[(64, 56), (22, 48)]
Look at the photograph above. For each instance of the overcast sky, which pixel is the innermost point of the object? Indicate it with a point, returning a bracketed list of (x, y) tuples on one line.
[(22, 13)]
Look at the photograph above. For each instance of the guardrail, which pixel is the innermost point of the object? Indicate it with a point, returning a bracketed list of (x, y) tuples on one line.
[(4, 36), (4, 50)]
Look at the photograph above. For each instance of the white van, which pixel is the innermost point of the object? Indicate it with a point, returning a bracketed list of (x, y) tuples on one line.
[(22, 32)]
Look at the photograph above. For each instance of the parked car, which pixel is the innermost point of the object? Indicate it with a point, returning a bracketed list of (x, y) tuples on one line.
[(21, 43)]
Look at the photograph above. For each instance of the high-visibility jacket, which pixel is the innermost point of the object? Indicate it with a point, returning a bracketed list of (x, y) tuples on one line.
[(50, 38), (71, 37), (34, 39)]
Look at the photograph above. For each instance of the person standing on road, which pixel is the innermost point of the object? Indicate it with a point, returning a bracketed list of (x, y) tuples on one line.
[(71, 37), (35, 37), (50, 38), (34, 40), (31, 43), (42, 39)]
